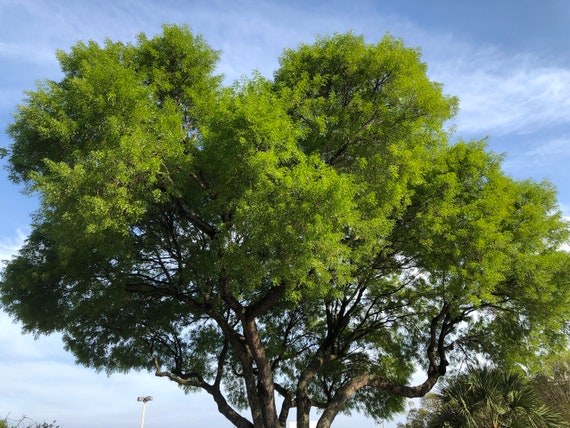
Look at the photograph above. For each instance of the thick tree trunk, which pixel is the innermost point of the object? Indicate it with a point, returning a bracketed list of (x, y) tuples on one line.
[(302, 399), (303, 412), (265, 384)]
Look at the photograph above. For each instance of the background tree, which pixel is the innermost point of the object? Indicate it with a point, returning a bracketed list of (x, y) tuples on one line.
[(314, 236), (552, 383), (486, 397), (423, 415), (25, 422)]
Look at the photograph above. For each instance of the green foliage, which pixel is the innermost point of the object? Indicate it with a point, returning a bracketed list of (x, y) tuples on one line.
[(422, 416), (486, 397), (314, 234)]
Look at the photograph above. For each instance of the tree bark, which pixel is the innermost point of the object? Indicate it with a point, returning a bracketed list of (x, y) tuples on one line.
[(214, 390), (265, 384)]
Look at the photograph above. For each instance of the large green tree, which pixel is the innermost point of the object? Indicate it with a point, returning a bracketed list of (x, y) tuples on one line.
[(302, 242)]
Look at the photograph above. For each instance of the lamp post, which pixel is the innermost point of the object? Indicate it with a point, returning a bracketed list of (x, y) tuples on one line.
[(144, 400)]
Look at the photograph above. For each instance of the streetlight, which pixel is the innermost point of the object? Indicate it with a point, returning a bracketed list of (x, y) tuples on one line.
[(144, 400)]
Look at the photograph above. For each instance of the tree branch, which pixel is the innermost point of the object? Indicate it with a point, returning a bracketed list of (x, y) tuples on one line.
[(440, 326), (196, 380), (260, 307), (287, 404)]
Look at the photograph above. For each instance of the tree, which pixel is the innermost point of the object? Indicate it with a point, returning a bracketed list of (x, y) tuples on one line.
[(552, 383), (488, 397), (422, 416), (314, 236)]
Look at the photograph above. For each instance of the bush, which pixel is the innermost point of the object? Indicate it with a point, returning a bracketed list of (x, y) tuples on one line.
[(25, 422)]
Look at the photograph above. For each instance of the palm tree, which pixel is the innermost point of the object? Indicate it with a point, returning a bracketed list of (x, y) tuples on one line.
[(492, 398)]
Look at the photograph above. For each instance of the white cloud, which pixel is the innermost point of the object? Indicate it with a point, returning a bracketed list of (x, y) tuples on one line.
[(10, 245), (501, 94), (26, 52), (542, 154)]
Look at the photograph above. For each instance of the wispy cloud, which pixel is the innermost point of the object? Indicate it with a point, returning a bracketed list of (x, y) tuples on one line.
[(11, 244), (26, 52), (543, 158), (543, 153), (501, 95)]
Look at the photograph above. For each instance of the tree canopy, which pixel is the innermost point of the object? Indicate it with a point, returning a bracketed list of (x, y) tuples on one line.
[(315, 236)]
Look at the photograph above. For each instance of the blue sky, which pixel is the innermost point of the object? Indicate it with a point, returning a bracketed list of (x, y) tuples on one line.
[(508, 62)]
